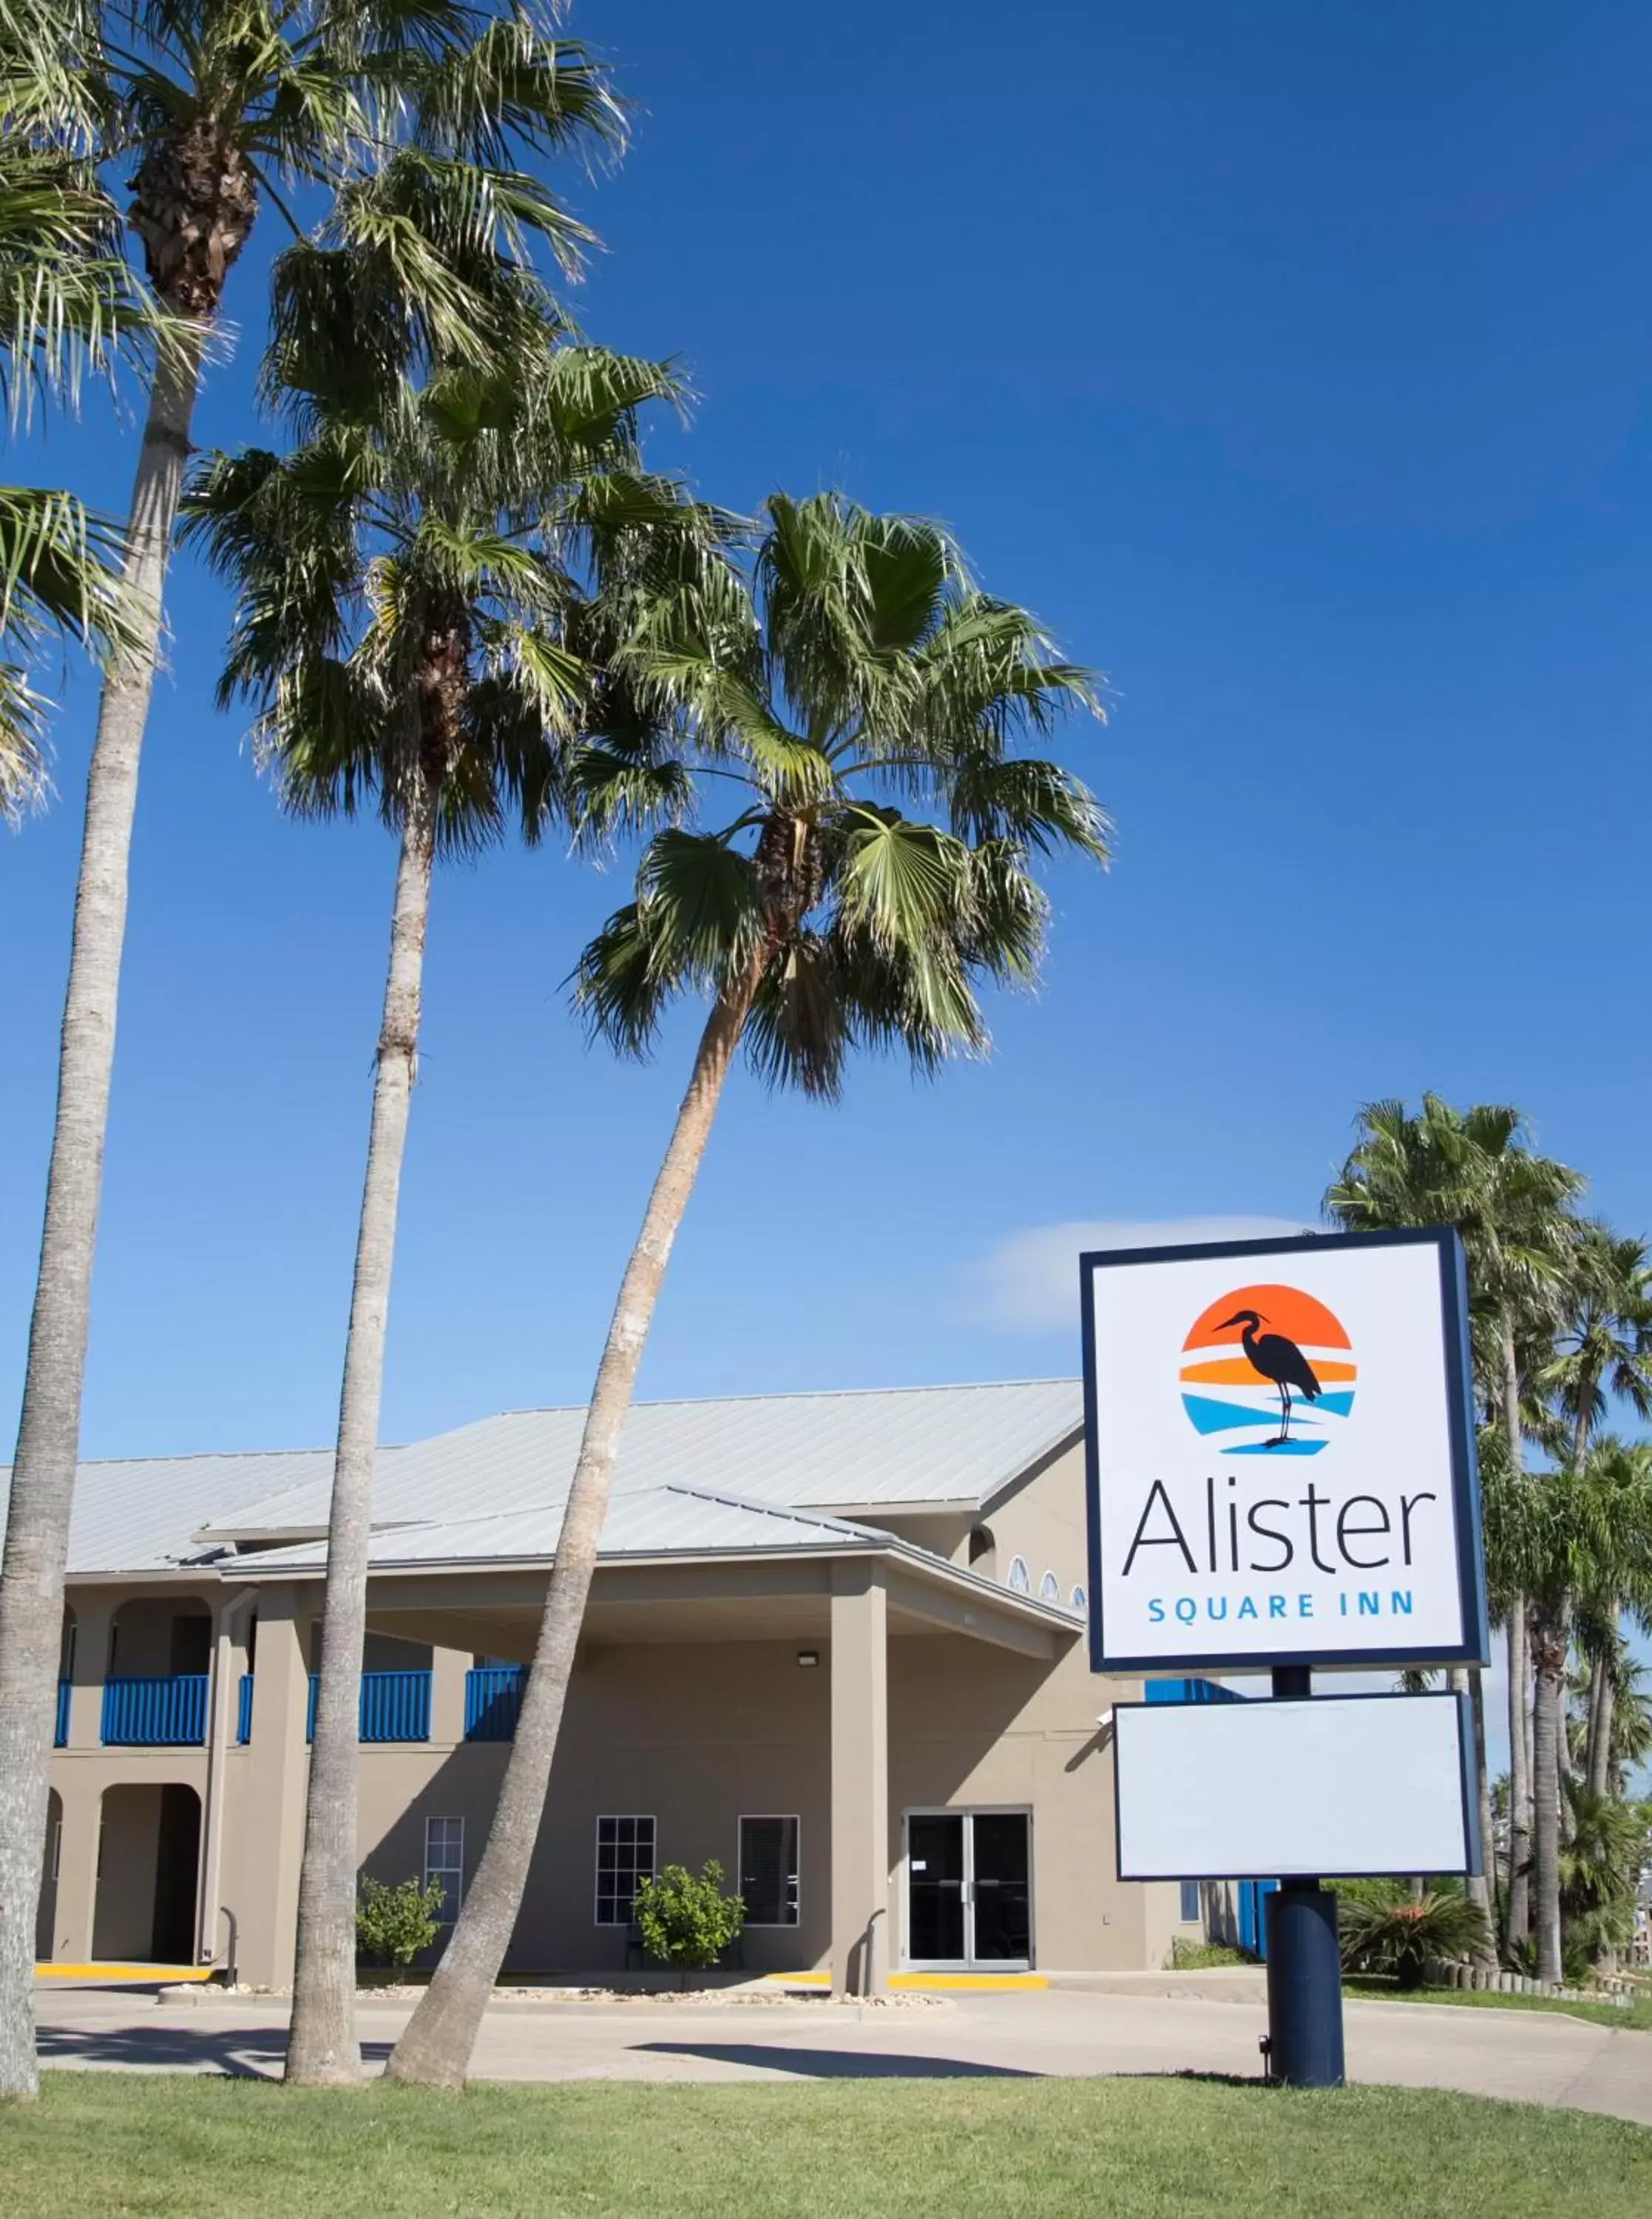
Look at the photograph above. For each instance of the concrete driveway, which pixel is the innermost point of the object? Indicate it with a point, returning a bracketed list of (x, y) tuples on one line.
[(1527, 2056)]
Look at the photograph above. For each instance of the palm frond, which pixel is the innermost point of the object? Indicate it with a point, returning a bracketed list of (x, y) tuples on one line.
[(24, 780), (512, 84), (1035, 803)]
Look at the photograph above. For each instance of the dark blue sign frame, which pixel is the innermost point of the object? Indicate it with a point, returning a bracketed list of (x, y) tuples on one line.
[(1475, 1647)]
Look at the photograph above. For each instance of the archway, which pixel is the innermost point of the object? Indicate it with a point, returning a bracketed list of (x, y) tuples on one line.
[(148, 1874), (46, 1918)]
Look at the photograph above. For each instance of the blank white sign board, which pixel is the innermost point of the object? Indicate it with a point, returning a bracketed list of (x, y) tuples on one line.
[(1333, 1786)]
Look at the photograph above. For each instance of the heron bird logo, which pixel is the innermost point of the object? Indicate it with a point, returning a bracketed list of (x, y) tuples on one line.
[(1271, 1366)]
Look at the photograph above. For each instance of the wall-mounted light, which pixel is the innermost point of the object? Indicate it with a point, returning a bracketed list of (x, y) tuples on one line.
[(808, 1658)]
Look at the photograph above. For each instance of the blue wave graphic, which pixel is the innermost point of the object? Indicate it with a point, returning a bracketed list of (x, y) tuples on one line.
[(1292, 1447), (1211, 1416)]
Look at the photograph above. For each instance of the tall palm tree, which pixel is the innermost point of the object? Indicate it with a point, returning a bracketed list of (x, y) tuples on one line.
[(410, 626), (223, 101), (69, 303), (1584, 1531), (859, 666), (1604, 1348), (1476, 1170)]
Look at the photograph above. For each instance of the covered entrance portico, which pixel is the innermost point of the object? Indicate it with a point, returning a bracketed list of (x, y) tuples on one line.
[(707, 1691)]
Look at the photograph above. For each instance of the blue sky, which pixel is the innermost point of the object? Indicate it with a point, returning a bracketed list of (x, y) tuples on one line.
[(1293, 364)]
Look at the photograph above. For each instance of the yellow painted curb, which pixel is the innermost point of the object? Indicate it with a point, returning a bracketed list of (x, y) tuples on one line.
[(169, 1973), (969, 1980), (975, 1980)]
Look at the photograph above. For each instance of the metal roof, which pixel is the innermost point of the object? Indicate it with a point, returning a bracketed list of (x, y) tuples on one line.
[(890, 1448), (652, 1522), (692, 1476), (141, 1514)]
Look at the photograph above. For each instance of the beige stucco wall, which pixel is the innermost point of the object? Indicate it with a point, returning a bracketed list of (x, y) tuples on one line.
[(697, 1734), (693, 1735)]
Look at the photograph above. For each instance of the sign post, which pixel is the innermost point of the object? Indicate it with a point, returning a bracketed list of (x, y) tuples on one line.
[(1305, 2047), (1281, 1478)]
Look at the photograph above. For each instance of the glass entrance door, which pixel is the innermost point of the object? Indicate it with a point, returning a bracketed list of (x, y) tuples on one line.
[(969, 1895), (1002, 1888), (935, 1887)]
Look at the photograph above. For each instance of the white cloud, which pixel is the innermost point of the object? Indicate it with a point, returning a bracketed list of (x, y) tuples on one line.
[(1029, 1280)]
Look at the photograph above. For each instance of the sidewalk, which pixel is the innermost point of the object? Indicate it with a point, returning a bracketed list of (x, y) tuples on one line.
[(1525, 2056)]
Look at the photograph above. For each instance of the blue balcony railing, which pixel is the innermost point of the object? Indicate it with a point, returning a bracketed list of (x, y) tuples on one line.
[(493, 1699), (59, 1739), (155, 1710), (395, 1707), (244, 1710)]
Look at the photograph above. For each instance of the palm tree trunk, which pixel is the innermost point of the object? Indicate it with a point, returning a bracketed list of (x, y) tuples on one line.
[(435, 2049), (1478, 1885), (1519, 1692), (322, 2048), (1549, 1720), (1519, 1896), (1602, 1705), (48, 1435)]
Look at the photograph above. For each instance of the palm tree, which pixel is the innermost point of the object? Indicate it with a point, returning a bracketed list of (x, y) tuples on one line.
[(1605, 1346), (220, 100), (858, 665), (1585, 1530), (410, 629), (1599, 1870), (68, 304), (1474, 1169)]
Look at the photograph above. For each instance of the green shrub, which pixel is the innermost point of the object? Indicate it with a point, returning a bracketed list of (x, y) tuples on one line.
[(394, 1922), (1199, 1956), (1385, 1929), (687, 1921)]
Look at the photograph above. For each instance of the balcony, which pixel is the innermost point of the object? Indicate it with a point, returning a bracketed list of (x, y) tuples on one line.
[(60, 1737), (493, 1699), (163, 1710), (395, 1707)]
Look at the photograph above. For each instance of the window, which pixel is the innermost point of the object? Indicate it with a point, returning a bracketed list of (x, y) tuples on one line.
[(1021, 1580), (1079, 1599), (1190, 1910), (624, 1856), (444, 1862), (1049, 1589), (768, 1871)]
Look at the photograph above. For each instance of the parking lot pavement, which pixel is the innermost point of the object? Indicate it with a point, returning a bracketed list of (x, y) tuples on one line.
[(1527, 2056)]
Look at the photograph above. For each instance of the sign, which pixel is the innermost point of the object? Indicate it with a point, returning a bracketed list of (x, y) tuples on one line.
[(1280, 1452), (1340, 1785)]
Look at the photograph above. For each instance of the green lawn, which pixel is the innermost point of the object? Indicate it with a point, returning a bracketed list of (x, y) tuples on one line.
[(1637, 2016), (112, 2143)]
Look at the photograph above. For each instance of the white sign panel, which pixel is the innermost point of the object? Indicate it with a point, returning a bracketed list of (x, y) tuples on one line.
[(1345, 1784), (1280, 1455)]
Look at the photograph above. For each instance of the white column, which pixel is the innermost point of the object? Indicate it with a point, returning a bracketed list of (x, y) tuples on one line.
[(448, 1669), (221, 1716), (261, 1884), (94, 1615), (859, 1673), (76, 1905)]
